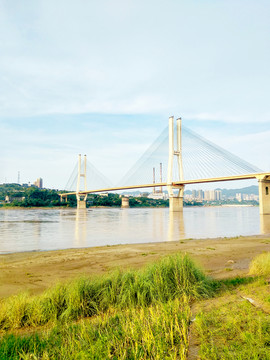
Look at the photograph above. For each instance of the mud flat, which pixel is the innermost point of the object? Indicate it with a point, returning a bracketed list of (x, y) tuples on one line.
[(35, 271)]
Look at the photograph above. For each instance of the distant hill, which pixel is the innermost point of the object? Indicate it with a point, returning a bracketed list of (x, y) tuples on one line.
[(232, 192), (227, 192), (246, 190)]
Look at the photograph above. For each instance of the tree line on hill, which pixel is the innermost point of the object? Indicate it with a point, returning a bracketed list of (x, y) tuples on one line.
[(20, 196)]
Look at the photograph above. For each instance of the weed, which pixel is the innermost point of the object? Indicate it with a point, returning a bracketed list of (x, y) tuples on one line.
[(260, 265)]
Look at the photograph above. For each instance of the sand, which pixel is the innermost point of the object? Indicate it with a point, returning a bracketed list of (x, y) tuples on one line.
[(36, 271)]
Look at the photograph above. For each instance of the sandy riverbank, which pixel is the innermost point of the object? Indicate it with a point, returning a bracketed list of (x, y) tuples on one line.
[(36, 271)]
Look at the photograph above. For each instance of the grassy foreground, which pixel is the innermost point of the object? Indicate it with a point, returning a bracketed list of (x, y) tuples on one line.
[(171, 278), (142, 314)]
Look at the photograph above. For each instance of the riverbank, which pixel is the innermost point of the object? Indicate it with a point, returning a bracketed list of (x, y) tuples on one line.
[(36, 271)]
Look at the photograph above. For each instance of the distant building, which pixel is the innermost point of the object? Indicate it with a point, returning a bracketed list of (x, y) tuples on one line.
[(212, 195), (39, 183), (250, 197), (238, 197), (218, 195), (200, 195), (158, 196), (209, 195)]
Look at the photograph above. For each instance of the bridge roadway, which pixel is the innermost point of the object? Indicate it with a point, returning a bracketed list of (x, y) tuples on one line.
[(259, 176)]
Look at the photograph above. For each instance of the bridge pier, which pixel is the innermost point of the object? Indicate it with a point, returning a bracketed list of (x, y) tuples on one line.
[(125, 202), (176, 202), (265, 224), (81, 204), (63, 198), (264, 194)]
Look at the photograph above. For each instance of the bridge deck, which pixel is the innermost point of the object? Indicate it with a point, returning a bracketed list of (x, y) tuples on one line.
[(176, 184)]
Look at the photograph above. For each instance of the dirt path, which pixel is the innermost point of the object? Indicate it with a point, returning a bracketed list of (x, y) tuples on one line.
[(36, 271)]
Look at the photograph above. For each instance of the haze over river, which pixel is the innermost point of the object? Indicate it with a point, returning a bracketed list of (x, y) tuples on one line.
[(51, 229)]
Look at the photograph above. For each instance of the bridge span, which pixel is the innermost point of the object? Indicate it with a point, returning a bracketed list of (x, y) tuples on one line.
[(176, 200)]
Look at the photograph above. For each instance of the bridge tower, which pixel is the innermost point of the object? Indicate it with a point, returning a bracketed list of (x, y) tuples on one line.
[(81, 199), (176, 200)]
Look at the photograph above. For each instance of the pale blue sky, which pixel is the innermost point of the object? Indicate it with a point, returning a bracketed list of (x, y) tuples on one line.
[(102, 78)]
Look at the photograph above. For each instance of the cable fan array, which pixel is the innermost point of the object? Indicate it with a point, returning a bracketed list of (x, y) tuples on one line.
[(95, 179), (201, 159)]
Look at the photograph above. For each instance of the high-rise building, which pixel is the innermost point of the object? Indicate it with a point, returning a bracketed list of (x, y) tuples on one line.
[(212, 195), (218, 194), (238, 197), (39, 183), (200, 195), (206, 195)]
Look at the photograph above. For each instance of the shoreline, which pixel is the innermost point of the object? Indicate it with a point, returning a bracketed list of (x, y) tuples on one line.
[(35, 271), (129, 244), (118, 207)]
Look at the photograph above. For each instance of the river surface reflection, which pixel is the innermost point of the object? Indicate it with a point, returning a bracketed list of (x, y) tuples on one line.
[(34, 230)]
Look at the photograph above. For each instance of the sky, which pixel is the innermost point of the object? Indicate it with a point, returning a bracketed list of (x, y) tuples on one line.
[(102, 78)]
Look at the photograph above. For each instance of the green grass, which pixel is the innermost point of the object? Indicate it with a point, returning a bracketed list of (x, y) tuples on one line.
[(237, 281), (157, 332), (126, 315), (232, 327), (163, 281), (234, 331), (143, 314)]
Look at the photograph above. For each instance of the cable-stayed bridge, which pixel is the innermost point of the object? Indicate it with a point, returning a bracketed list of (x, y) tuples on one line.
[(184, 157)]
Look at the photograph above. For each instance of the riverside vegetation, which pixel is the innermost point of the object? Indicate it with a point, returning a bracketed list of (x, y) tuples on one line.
[(20, 196), (25, 197), (168, 310)]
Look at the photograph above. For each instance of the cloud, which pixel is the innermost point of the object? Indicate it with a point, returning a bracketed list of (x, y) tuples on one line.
[(103, 77), (95, 57)]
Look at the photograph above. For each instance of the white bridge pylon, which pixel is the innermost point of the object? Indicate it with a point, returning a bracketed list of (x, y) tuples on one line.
[(81, 198), (176, 201)]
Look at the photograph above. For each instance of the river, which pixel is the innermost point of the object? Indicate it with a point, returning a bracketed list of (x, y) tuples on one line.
[(51, 229)]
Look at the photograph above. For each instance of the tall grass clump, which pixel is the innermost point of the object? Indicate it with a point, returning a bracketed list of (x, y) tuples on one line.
[(260, 265), (172, 277), (155, 332)]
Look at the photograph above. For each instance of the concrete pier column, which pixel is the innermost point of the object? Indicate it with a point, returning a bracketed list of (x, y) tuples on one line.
[(176, 204), (81, 204), (264, 195), (125, 202), (265, 224)]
